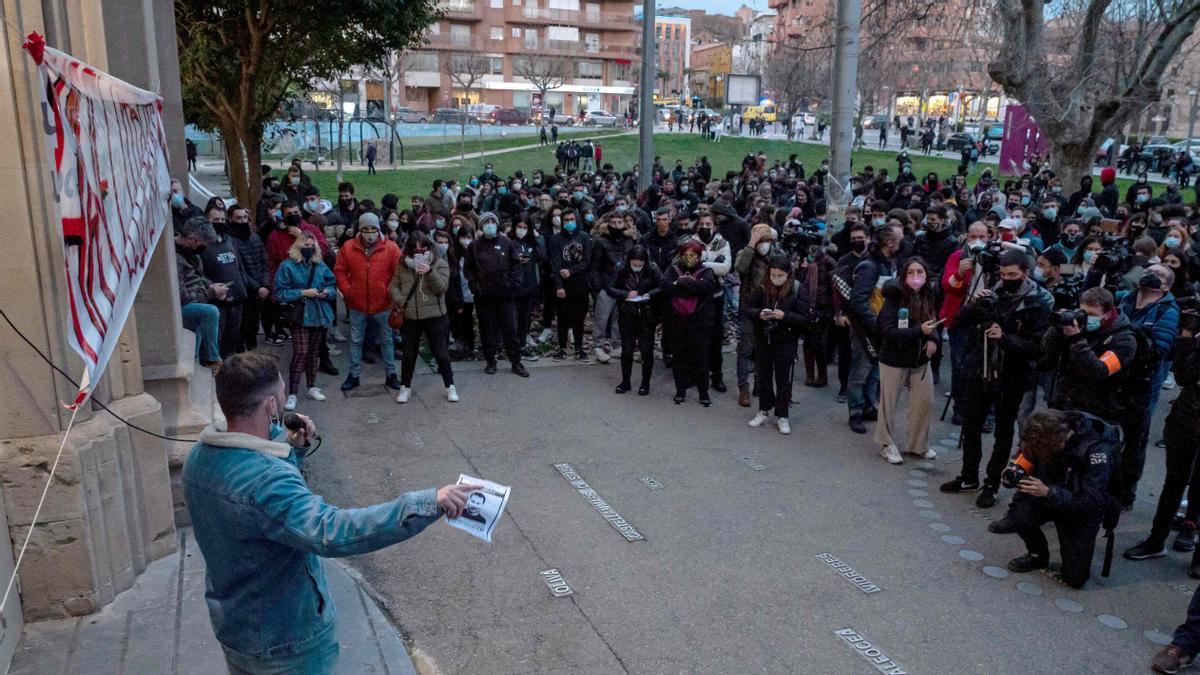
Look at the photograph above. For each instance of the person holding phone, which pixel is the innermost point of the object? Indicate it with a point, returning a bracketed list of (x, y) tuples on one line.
[(780, 312), (305, 279), (909, 335)]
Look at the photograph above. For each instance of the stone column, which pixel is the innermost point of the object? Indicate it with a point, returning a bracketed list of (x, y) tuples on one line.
[(108, 511)]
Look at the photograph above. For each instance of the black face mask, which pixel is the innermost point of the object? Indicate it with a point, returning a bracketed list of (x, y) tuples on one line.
[(858, 246), (291, 219), (466, 207), (1011, 285), (705, 234), (240, 230)]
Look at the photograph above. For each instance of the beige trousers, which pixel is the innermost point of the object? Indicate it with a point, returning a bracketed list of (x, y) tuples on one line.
[(919, 383)]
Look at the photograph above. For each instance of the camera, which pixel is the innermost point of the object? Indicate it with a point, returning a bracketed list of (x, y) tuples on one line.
[(797, 240), (988, 257), (1114, 256), (1016, 471), (1066, 317)]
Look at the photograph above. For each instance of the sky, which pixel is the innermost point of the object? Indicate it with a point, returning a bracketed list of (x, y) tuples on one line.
[(713, 6)]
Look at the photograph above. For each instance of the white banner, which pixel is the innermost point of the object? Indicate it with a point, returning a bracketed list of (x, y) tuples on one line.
[(109, 157)]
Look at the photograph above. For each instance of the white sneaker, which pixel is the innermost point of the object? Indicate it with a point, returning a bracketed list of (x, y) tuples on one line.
[(334, 351), (451, 394), (784, 427), (316, 394), (291, 403), (1169, 383), (545, 335), (892, 454), (602, 356), (403, 395), (928, 454), (759, 420)]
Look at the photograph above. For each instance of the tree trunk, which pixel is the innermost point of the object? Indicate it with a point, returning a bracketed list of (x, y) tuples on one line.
[(253, 145), (235, 152), (1070, 163)]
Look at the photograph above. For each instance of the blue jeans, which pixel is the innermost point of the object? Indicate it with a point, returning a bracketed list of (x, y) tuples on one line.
[(319, 660), (382, 332), (864, 378), (204, 320)]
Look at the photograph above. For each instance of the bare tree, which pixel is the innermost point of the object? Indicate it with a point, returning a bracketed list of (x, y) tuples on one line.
[(795, 81), (466, 71), (544, 72), (1090, 69)]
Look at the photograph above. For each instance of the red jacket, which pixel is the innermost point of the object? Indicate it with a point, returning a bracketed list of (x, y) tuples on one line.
[(363, 277), (954, 288), (279, 243)]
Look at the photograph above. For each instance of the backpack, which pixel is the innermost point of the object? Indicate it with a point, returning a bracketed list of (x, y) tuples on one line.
[(974, 153)]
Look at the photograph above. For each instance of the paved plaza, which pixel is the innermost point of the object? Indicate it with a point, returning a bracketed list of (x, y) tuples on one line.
[(757, 552)]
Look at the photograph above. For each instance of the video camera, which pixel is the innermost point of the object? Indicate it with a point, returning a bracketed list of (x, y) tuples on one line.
[(987, 259), (1066, 317), (1016, 471), (1114, 259), (798, 239)]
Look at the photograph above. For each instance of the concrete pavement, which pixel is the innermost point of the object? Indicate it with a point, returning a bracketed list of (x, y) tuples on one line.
[(748, 539), (161, 625)]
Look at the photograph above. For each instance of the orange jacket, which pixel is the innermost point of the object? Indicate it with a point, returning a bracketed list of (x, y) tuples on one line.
[(363, 277)]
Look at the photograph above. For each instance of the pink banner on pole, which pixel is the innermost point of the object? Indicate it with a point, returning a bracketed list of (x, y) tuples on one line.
[(1022, 139)]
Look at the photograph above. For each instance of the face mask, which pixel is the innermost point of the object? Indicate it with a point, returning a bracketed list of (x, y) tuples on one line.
[(521, 232), (569, 226), (1072, 239), (291, 219), (1050, 213), (474, 182), (763, 248), (689, 261), (907, 170), (1057, 189), (441, 223), (578, 195), (308, 252), (1093, 323), (589, 217), (441, 248), (489, 230), (683, 189), (1089, 257), (445, 190), (369, 238), (915, 283), (537, 181), (878, 222), (312, 205), (294, 180), (517, 185), (466, 207), (1150, 281), (1024, 201), (1143, 198), (609, 198), (177, 200), (1011, 285), (555, 220), (393, 225), (621, 208), (465, 241), (1039, 275), (778, 282), (705, 234), (636, 267), (1171, 242), (858, 246)]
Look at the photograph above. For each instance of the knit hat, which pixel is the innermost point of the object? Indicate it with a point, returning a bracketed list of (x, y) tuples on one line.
[(1107, 175), (763, 232), (488, 216), (1090, 213), (368, 219)]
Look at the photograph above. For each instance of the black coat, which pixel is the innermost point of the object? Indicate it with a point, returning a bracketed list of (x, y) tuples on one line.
[(701, 285), (573, 252), (797, 315), (491, 268), (1023, 317), (527, 282), (647, 282), (608, 254), (661, 247), (223, 264), (1084, 379), (901, 347)]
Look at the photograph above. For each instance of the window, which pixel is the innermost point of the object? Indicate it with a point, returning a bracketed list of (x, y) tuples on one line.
[(564, 4), (531, 38), (563, 33), (591, 70), (621, 71), (497, 32), (496, 4), (460, 33), (516, 32), (592, 42), (497, 63), (426, 62)]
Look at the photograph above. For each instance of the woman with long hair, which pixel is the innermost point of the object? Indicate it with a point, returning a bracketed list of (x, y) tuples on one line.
[(305, 279), (910, 335), (780, 311), (688, 287), (636, 281), (419, 287)]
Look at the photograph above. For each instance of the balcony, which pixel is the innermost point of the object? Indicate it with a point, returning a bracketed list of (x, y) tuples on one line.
[(461, 11), (544, 16), (456, 42), (572, 48)]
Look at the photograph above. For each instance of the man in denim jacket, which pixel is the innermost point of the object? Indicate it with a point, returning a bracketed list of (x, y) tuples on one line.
[(261, 530)]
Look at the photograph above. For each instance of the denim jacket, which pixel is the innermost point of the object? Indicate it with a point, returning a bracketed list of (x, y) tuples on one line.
[(261, 531)]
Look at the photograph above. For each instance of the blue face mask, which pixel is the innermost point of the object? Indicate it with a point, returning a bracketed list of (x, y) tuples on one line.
[(474, 182), (1171, 242), (1024, 201), (489, 230), (276, 430), (609, 198), (578, 195), (1089, 257), (569, 226), (177, 200), (1093, 323), (1050, 213), (589, 217), (502, 190)]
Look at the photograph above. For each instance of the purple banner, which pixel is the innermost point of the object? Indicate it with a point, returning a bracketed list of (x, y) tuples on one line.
[(1022, 139)]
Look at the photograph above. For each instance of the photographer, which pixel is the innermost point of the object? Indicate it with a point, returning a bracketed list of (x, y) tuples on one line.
[(957, 280), (1180, 432), (1005, 324), (1061, 476), (261, 529)]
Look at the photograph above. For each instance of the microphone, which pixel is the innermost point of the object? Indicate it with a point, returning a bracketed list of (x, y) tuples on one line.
[(293, 422)]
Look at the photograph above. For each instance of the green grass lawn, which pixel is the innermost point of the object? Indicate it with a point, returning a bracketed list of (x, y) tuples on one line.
[(622, 153), (439, 149)]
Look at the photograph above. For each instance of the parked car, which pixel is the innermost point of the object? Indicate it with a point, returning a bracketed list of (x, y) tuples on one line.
[(410, 116), (447, 116), (599, 118), (995, 132), (1194, 149), (956, 142), (874, 121), (481, 112), (508, 116)]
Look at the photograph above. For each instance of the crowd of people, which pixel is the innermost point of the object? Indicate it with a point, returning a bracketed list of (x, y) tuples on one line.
[(1061, 312)]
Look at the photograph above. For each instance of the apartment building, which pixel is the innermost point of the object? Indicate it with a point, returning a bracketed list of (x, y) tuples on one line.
[(673, 35), (599, 41), (711, 65)]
